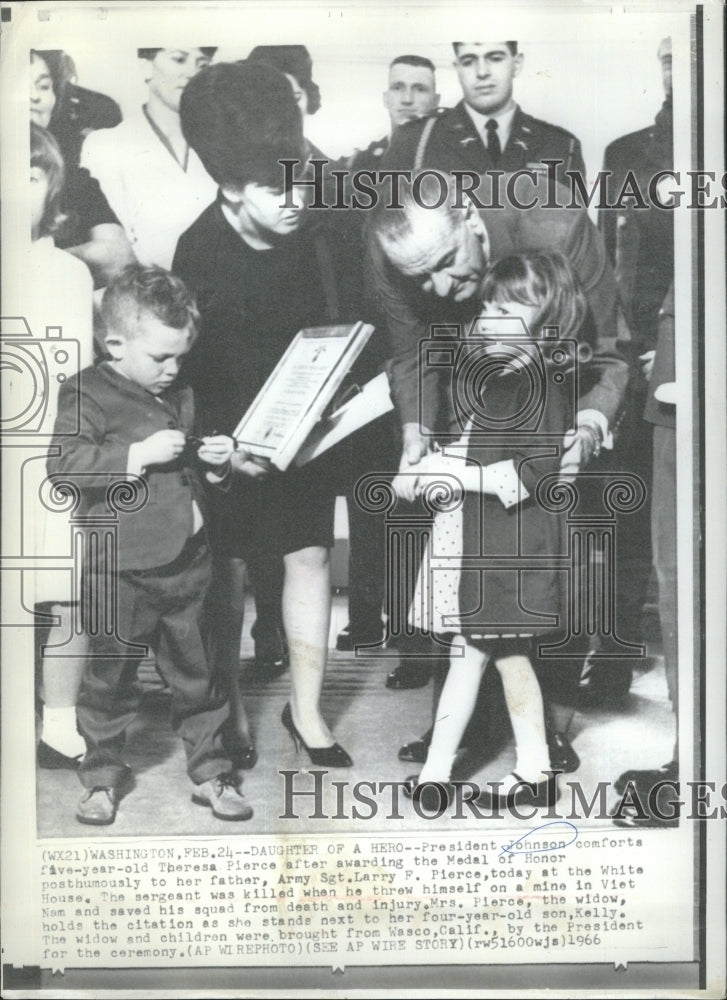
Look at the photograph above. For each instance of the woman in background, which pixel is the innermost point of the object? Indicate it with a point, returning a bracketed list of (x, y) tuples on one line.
[(77, 111), (90, 230), (153, 181)]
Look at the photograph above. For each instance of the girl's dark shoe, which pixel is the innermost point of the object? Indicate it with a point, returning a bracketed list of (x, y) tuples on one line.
[(431, 796), (521, 793), (333, 756)]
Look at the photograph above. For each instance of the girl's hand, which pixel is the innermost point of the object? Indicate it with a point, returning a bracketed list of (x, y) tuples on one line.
[(437, 468), (216, 450)]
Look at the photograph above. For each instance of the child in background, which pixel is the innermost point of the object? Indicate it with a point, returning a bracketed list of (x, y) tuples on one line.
[(494, 614), (135, 424), (50, 287)]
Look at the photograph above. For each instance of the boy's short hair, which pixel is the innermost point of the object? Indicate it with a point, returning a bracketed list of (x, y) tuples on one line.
[(147, 289), (242, 119), (46, 155), (512, 46), (421, 62), (151, 54)]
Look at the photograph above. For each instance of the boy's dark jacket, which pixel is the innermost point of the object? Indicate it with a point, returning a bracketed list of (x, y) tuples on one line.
[(112, 413)]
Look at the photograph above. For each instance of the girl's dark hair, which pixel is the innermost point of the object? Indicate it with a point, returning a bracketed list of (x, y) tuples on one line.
[(242, 119), (45, 154), (545, 280)]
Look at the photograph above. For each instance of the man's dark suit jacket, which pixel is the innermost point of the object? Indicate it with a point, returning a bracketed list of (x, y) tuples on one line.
[(640, 242), (663, 414), (410, 312), (455, 144), (115, 413)]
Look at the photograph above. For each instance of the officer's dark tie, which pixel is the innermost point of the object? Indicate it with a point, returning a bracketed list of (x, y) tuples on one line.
[(493, 141)]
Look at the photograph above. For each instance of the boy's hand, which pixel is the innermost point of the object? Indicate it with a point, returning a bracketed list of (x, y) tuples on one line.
[(249, 464), (216, 450), (159, 448)]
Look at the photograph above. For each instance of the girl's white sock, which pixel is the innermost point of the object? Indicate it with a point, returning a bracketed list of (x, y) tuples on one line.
[(438, 767)]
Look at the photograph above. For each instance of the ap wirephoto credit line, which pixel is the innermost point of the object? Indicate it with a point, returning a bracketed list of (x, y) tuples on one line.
[(363, 532)]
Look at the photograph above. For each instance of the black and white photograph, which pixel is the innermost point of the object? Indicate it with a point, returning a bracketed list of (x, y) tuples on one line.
[(363, 446)]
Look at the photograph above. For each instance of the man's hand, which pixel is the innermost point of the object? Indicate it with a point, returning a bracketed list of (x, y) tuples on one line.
[(249, 464), (579, 445), (417, 444), (647, 364)]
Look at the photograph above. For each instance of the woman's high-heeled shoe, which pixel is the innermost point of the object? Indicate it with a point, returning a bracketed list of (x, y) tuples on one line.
[(333, 756)]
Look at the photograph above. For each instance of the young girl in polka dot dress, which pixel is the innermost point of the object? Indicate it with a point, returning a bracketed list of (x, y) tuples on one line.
[(495, 575)]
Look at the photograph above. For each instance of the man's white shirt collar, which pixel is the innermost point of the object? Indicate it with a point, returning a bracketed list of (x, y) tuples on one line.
[(503, 119)]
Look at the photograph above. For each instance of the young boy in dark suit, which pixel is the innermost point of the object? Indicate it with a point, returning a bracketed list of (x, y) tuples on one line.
[(135, 427)]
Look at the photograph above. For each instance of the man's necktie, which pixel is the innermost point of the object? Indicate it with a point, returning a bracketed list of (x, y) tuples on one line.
[(493, 141)]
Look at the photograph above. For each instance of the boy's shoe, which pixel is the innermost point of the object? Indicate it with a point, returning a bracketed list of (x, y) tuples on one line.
[(98, 806), (222, 794)]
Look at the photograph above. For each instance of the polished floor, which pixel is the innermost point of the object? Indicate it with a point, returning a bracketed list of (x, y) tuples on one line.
[(371, 722)]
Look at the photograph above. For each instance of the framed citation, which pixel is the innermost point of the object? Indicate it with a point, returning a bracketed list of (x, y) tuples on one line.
[(298, 390)]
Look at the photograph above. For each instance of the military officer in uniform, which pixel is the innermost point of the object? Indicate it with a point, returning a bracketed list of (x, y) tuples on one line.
[(410, 95), (487, 130), (640, 243)]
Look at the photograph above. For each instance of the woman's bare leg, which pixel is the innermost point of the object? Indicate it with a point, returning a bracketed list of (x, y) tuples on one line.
[(307, 617)]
